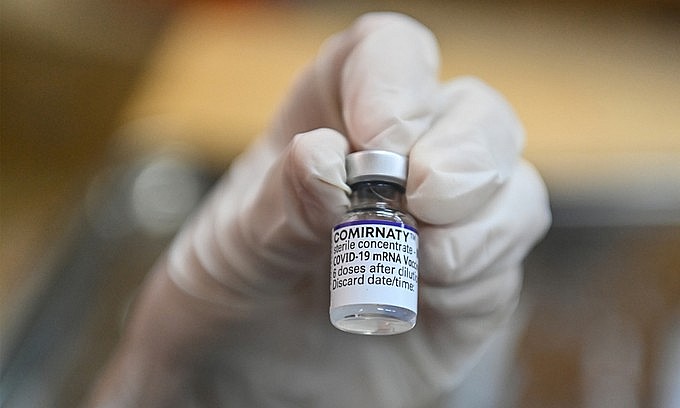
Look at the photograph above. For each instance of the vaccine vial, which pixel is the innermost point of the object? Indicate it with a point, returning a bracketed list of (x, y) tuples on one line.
[(374, 250)]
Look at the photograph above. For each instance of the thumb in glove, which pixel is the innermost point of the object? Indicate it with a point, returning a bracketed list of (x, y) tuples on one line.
[(247, 249)]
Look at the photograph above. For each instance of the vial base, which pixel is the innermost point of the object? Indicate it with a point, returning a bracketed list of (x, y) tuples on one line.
[(373, 319)]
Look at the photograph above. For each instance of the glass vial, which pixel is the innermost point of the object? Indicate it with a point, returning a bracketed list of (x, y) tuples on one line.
[(374, 250)]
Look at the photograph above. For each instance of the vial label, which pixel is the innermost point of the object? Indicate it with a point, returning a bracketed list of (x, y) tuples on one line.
[(374, 262)]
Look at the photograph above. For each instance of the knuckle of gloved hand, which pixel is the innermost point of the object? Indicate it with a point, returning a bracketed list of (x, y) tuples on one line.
[(442, 198), (498, 293), (373, 21), (478, 103), (315, 152), (521, 208), (495, 238), (442, 256), (498, 234), (503, 300), (534, 202), (493, 293), (467, 155), (315, 168)]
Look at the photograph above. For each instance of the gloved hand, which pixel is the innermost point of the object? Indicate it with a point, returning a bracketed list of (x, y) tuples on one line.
[(237, 312)]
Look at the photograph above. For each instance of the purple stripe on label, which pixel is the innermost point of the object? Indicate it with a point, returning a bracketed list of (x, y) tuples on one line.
[(375, 222)]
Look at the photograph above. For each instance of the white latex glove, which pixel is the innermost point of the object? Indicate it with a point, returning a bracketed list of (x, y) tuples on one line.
[(237, 313)]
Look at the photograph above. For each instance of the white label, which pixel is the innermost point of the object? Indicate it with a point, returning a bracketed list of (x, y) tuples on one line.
[(374, 262)]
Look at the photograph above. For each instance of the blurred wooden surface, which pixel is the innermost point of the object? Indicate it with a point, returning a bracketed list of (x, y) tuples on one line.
[(595, 86)]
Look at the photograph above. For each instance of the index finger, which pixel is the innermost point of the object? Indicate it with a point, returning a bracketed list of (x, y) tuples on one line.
[(388, 85), (372, 82)]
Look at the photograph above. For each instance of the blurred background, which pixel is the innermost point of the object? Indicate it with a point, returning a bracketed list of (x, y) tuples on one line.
[(116, 117)]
